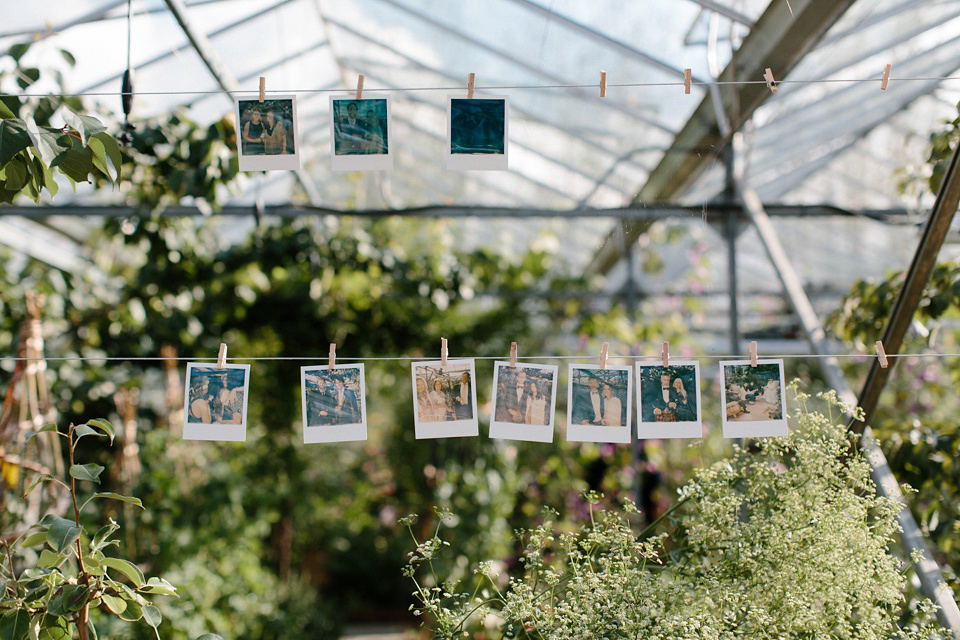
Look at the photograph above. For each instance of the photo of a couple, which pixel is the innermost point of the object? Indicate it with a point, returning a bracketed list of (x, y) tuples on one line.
[(266, 134), (524, 395), (753, 401), (599, 409), (445, 399), (669, 400)]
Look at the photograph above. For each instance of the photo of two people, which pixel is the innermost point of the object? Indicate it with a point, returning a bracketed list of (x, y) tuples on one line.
[(668, 394), (360, 127), (333, 397), (599, 397), (266, 134), (524, 395), (445, 399), (215, 402)]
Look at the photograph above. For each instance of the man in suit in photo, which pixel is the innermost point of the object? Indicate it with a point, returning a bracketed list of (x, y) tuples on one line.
[(665, 401), (516, 398), (346, 409), (588, 407)]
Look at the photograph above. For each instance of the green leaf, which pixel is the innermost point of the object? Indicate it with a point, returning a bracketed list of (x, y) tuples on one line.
[(103, 425), (14, 625), (85, 125), (54, 628), (16, 51), (84, 430), (71, 598), (48, 559), (43, 477), (114, 604), (32, 540), (132, 613), (209, 636), (104, 146), (63, 534), (14, 138), (76, 163), (160, 587), (114, 496), (152, 616), (15, 174), (68, 57), (100, 537), (90, 472), (50, 426), (127, 568), (51, 142)]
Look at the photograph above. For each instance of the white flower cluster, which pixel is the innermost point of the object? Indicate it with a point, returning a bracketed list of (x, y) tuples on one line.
[(785, 540)]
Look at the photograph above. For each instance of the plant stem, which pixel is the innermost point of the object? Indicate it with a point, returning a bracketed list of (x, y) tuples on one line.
[(76, 509)]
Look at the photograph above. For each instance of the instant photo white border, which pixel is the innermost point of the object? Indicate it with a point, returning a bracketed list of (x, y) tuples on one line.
[(279, 162), (317, 434), (599, 433), (525, 432), (449, 428), (478, 161), (216, 430), (665, 430), (361, 162), (752, 428)]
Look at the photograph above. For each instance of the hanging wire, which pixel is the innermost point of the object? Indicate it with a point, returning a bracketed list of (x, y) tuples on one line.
[(489, 88)]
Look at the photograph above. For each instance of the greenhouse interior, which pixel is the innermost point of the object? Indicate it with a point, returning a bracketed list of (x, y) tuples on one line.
[(412, 319)]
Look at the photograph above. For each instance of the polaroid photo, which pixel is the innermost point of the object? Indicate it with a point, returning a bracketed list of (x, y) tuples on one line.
[(524, 402), (215, 402), (754, 405), (267, 134), (477, 133), (334, 403), (360, 133), (599, 408), (669, 400), (445, 399)]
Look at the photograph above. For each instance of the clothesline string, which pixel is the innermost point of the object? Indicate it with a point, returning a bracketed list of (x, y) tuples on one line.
[(340, 358), (479, 88)]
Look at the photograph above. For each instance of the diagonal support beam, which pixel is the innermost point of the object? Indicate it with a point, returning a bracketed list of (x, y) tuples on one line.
[(779, 40), (911, 537), (226, 80)]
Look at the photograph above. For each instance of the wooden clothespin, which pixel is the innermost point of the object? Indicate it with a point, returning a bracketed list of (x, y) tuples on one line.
[(882, 355), (885, 78), (603, 84), (771, 83), (603, 354), (263, 88), (360, 87), (513, 355), (471, 79), (443, 352), (222, 356), (687, 80), (665, 352), (332, 360), (753, 353)]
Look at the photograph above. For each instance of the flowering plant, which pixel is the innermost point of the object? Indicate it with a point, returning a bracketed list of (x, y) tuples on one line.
[(787, 539)]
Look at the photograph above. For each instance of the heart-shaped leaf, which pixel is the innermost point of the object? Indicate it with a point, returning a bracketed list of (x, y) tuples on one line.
[(76, 163), (152, 616), (89, 471), (114, 604), (48, 559), (14, 138), (132, 613), (62, 534), (54, 628)]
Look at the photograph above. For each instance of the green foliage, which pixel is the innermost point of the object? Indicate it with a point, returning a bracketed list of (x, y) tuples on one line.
[(72, 573), (787, 539)]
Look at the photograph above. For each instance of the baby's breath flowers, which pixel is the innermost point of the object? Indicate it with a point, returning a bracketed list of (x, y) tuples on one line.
[(786, 539)]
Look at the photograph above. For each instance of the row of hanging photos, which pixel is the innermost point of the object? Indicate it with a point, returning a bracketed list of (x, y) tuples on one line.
[(360, 129), (599, 406)]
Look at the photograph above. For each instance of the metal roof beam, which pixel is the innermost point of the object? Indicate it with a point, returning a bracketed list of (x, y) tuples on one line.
[(779, 40), (223, 76), (726, 12)]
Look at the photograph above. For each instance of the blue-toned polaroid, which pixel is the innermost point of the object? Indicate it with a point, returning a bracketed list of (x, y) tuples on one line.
[(669, 400), (334, 403), (215, 404), (360, 133), (477, 133)]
